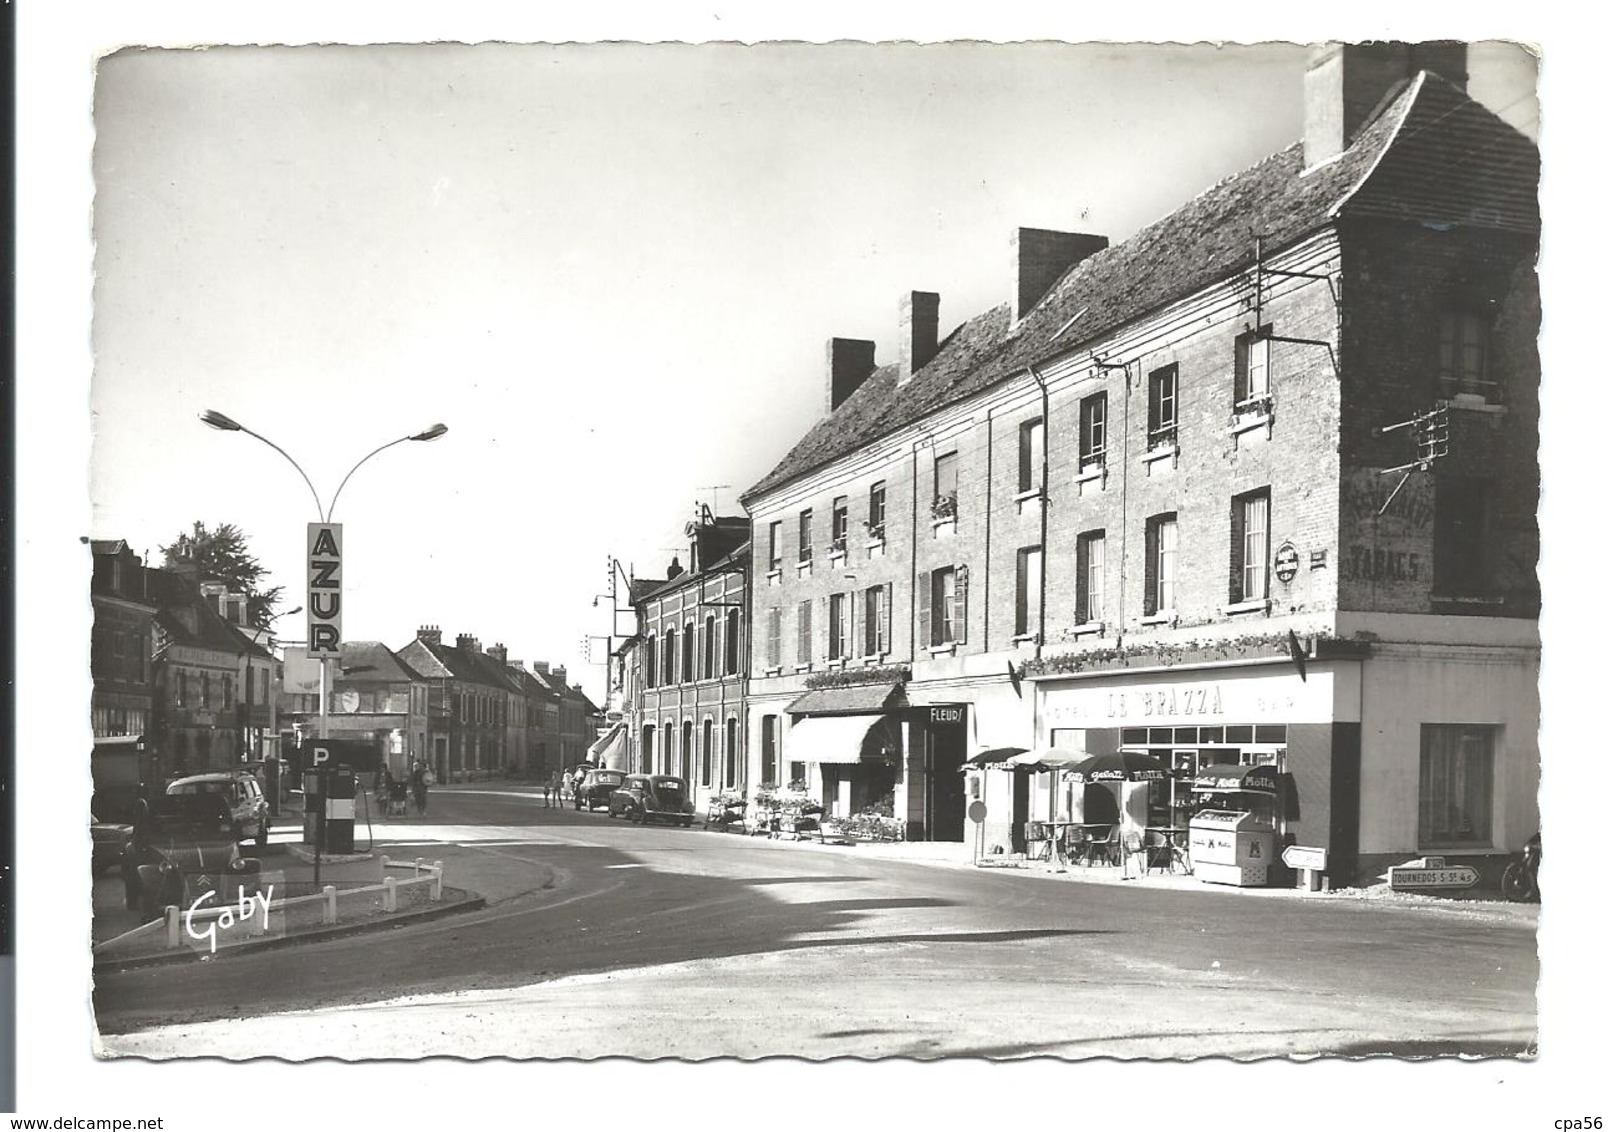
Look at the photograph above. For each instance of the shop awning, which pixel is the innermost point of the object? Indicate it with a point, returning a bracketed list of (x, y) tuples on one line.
[(828, 738), (609, 746), (1231, 779), (858, 698)]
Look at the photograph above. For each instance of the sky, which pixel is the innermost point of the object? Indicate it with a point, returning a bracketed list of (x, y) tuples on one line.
[(610, 269), (612, 273)]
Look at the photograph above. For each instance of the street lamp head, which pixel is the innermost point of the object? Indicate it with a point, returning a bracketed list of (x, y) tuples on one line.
[(215, 419), (431, 433)]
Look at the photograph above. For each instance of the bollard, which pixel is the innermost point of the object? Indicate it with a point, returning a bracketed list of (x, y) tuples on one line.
[(386, 863), (436, 881), (329, 915), (418, 863), (171, 915), (389, 898)]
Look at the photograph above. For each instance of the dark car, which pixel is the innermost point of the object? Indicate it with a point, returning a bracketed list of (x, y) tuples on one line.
[(653, 797), (244, 795), (107, 841), (184, 846), (596, 788)]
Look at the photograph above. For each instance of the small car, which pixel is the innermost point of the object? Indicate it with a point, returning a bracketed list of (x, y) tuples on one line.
[(645, 798), (183, 847), (244, 795), (596, 788), (107, 841)]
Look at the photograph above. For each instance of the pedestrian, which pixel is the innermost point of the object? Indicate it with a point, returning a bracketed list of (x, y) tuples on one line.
[(554, 785), (417, 780), (383, 788)]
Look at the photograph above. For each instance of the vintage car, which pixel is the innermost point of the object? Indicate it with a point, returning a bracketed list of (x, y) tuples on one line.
[(107, 841), (596, 787), (244, 795), (653, 797), (183, 847)]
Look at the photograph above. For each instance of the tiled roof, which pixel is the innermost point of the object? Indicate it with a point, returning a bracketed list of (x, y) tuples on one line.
[(857, 699), (1399, 167), (371, 662), (173, 594), (738, 559)]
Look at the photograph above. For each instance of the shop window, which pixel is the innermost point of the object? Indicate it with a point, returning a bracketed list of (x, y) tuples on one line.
[(1252, 373), (1089, 564), (839, 627), (1159, 574), (803, 632), (943, 605), (876, 620), (774, 637), (1094, 430), (1464, 357), (1463, 553), (876, 512), (1027, 591), (840, 517), (1162, 407), (1271, 733), (1251, 537), (1134, 736), (708, 651), (770, 750), (1455, 789), (804, 553), (775, 546), (1244, 734), (1030, 455), (944, 502), (731, 643)]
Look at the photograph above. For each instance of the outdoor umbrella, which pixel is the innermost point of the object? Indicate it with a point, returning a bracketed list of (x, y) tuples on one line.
[(1119, 766), (994, 756), (1048, 758)]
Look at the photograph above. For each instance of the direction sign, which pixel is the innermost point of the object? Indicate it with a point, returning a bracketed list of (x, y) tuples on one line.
[(324, 590), (1450, 876), (1305, 857)]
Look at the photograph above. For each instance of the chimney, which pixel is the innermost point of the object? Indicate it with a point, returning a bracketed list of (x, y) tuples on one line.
[(851, 360), (541, 666), (920, 325), (499, 653), (429, 634), (560, 675), (1041, 257), (1346, 83), (468, 643), (673, 570)]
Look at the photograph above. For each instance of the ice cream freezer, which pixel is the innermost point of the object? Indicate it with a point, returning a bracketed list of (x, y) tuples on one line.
[(1230, 847)]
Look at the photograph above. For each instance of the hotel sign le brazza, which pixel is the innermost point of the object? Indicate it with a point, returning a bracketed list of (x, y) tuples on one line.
[(1273, 698)]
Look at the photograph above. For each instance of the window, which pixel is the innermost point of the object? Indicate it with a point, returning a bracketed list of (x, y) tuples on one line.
[(668, 757), (688, 652), (839, 629), (646, 749), (944, 504), (775, 546), (1252, 378), (1030, 455), (1159, 582), (1028, 591), (708, 651), (1094, 433), (649, 663), (1464, 347), (183, 696), (876, 623), (705, 753), (797, 776), (731, 643), (840, 517), (876, 512), (1456, 781), (803, 632), (1462, 542), (770, 750), (805, 553), (731, 753), (207, 691), (942, 606), (775, 627), (1089, 561), (669, 656), (1251, 543), (1162, 407)]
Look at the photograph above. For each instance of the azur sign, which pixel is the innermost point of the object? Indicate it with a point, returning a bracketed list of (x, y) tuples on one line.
[(324, 590)]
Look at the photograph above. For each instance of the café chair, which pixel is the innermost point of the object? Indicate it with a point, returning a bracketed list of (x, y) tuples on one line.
[(1100, 848), (1132, 848), (1160, 850)]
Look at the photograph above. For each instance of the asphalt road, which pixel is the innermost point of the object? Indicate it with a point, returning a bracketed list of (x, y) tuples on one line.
[(603, 938)]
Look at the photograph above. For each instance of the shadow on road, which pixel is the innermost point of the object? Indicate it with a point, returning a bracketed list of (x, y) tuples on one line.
[(763, 881)]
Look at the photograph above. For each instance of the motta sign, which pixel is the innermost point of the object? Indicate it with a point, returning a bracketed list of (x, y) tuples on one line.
[(324, 590)]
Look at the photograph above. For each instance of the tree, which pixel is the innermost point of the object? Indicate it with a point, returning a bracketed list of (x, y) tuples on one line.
[(221, 555)]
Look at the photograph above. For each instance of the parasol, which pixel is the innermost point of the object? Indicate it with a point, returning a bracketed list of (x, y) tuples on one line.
[(1120, 766), (993, 756), (1047, 758)]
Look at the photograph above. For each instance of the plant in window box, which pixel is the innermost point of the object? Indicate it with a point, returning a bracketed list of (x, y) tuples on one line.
[(944, 507), (876, 531), (1258, 405), (837, 545)]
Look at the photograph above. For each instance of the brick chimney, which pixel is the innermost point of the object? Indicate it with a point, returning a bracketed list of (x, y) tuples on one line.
[(1346, 83), (541, 666), (920, 323), (851, 360), (499, 653), (560, 675), (1041, 257), (468, 643), (429, 634)]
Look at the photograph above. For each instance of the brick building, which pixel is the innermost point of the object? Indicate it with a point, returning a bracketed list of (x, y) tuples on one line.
[(684, 671), (469, 704), (1159, 501), (374, 697), (121, 641)]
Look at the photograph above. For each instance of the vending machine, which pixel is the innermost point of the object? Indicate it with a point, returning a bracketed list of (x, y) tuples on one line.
[(1231, 847)]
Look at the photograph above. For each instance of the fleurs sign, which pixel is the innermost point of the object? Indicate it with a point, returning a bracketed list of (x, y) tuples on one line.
[(1286, 563)]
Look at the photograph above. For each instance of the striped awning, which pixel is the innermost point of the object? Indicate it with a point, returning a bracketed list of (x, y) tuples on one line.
[(828, 738)]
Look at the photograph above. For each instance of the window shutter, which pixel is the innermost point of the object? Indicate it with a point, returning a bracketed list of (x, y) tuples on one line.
[(960, 607), (1151, 569), (823, 628), (889, 593), (1235, 580), (926, 582), (1240, 379)]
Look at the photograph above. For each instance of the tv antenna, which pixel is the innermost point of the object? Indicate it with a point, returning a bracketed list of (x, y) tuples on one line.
[(1431, 431)]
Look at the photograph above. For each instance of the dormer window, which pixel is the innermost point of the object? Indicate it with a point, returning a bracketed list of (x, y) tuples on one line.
[(1464, 355)]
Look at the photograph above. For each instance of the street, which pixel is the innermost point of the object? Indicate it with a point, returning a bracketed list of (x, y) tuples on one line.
[(601, 938)]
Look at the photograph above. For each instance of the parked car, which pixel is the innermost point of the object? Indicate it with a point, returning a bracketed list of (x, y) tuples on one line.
[(653, 797), (596, 788), (184, 846), (244, 795), (107, 841)]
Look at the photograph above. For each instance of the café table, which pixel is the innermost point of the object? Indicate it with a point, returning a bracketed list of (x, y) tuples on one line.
[(1096, 833), (1175, 838), (1055, 833)]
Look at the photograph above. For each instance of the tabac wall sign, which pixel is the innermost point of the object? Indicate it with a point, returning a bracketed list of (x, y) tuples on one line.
[(1286, 563)]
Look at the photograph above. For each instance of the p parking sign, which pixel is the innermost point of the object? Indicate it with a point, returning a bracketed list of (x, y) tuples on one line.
[(324, 590)]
